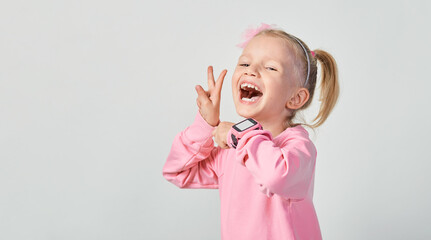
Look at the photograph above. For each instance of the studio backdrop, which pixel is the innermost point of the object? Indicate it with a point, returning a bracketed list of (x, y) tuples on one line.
[(93, 92)]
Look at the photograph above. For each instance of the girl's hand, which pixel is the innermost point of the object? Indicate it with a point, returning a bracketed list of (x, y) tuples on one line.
[(209, 101), (220, 133)]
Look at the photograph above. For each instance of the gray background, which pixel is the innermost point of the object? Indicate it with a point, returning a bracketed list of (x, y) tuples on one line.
[(92, 94)]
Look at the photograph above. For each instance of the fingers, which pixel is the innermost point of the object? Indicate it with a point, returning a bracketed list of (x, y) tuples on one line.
[(198, 103), (219, 138), (201, 92), (220, 81), (211, 82), (214, 88), (225, 146), (202, 96)]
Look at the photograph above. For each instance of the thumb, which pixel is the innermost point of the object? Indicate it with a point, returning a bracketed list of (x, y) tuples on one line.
[(201, 92)]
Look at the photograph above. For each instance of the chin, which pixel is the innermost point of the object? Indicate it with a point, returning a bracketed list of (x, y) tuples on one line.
[(244, 112), (244, 115)]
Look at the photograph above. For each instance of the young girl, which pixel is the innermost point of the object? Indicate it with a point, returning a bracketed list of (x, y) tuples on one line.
[(265, 176)]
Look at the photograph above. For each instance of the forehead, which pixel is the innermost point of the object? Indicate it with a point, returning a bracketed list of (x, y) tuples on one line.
[(268, 47)]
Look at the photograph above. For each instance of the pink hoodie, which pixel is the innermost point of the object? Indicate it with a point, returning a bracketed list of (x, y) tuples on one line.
[(266, 184)]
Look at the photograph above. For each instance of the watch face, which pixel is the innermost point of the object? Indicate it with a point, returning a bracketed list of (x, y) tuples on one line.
[(244, 125)]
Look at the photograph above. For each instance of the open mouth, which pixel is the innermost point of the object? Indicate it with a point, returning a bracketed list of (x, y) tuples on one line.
[(249, 92)]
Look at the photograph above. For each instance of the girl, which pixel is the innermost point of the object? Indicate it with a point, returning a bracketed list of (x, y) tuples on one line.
[(265, 176)]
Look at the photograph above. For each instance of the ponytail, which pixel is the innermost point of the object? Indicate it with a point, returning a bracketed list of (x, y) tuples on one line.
[(330, 88)]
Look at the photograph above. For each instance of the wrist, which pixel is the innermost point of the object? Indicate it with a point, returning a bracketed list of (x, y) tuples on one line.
[(238, 130), (216, 124)]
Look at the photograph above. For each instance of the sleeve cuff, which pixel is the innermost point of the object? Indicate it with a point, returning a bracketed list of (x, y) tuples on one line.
[(200, 129)]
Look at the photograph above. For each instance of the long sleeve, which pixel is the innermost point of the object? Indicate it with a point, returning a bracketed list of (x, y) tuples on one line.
[(285, 170), (191, 161)]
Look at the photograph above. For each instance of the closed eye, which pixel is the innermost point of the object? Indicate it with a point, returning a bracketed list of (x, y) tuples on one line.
[(271, 68), (244, 65)]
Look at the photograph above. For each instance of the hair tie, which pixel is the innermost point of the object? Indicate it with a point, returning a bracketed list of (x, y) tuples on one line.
[(313, 54)]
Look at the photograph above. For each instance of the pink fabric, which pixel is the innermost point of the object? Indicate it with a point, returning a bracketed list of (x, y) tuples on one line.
[(251, 32), (266, 184)]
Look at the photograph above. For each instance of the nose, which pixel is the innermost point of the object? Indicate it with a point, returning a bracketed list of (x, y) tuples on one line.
[(251, 71)]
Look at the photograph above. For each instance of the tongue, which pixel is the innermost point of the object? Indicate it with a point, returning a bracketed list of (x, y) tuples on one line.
[(253, 94)]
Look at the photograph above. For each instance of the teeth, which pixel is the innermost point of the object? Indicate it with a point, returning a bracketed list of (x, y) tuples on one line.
[(249, 86), (249, 99)]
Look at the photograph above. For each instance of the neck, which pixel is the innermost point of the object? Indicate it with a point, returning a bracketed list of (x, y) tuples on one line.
[(274, 127)]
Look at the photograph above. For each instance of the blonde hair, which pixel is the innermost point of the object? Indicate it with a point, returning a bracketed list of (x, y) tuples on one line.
[(330, 89)]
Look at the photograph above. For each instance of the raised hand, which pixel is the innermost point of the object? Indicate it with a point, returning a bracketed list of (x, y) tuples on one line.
[(209, 101)]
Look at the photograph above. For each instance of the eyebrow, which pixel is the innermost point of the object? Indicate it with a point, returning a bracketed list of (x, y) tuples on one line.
[(266, 59)]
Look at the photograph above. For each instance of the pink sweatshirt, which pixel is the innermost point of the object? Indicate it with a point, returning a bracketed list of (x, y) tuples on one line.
[(266, 184)]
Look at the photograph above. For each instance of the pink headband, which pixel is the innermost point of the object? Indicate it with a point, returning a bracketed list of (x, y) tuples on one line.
[(251, 32)]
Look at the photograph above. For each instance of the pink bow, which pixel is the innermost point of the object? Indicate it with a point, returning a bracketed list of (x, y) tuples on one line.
[(251, 32)]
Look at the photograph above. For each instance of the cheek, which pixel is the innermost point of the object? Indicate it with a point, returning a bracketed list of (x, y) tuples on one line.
[(280, 90), (235, 79), (236, 75), (284, 83)]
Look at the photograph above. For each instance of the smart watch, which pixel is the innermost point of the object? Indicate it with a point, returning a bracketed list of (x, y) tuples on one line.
[(240, 129)]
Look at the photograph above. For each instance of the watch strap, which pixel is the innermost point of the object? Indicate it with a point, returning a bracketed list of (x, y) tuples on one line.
[(231, 140)]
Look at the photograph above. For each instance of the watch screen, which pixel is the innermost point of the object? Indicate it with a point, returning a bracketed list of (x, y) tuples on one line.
[(244, 125)]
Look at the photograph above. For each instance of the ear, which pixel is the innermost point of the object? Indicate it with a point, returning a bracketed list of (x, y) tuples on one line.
[(298, 99)]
